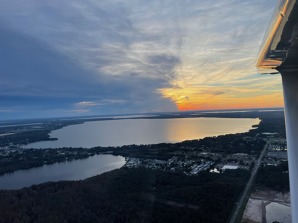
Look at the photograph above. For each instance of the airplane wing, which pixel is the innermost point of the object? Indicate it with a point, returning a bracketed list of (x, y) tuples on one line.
[(279, 52), (280, 46)]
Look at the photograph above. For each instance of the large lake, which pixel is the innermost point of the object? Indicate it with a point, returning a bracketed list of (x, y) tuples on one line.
[(143, 131), (117, 133), (73, 170)]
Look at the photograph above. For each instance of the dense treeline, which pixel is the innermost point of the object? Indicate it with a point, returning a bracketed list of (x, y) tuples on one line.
[(26, 137), (274, 177), (30, 158), (227, 144), (127, 195), (274, 124), (31, 131)]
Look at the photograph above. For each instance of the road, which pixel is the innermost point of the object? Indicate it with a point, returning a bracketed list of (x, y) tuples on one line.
[(248, 186)]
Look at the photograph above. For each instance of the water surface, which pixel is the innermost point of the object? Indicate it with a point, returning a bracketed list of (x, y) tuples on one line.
[(143, 131), (73, 170)]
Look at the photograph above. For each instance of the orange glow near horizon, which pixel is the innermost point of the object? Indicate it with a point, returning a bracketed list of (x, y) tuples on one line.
[(248, 103), (206, 99)]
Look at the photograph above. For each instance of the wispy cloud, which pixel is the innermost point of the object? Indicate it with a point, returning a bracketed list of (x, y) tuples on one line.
[(79, 111), (87, 103), (6, 110), (133, 56), (100, 102)]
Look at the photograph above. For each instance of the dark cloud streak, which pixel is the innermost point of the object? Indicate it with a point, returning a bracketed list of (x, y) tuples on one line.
[(36, 77)]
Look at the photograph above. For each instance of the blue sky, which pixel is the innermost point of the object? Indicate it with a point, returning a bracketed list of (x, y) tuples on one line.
[(66, 58)]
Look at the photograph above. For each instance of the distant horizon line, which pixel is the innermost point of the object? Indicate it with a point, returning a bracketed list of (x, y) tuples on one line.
[(145, 113)]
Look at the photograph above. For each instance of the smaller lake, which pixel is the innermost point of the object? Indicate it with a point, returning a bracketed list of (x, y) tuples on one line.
[(73, 170)]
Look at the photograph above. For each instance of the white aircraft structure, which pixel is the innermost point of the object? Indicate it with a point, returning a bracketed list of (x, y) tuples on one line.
[(279, 53)]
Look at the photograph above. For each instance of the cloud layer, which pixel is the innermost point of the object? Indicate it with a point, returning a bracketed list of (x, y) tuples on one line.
[(103, 57)]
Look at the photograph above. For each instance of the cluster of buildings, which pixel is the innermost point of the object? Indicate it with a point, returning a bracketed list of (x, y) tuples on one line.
[(212, 162), (192, 164), (276, 153), (186, 166)]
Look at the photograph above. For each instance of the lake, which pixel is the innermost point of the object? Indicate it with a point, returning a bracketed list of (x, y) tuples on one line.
[(73, 170), (143, 131), (117, 133)]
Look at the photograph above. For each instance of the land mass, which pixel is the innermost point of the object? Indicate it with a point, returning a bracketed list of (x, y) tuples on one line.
[(168, 182)]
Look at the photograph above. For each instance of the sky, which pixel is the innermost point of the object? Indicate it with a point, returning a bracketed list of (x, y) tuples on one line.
[(76, 58)]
